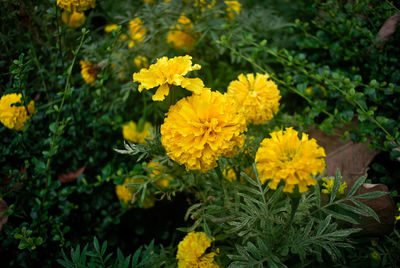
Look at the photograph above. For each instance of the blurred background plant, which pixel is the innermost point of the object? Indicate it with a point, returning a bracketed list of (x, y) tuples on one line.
[(62, 182)]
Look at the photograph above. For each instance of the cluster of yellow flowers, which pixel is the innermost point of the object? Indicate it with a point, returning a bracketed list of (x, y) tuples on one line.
[(89, 71), (13, 114), (180, 36), (192, 252), (200, 128), (167, 72), (135, 133), (257, 96), (328, 184), (76, 5), (285, 157), (136, 31), (141, 61), (233, 8), (74, 19)]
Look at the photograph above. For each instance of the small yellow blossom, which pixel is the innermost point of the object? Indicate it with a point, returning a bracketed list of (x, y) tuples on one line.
[(74, 19), (110, 27), (141, 62), (258, 96), (233, 8), (134, 133), (136, 32), (203, 4), (158, 173), (285, 157), (398, 217), (192, 252), (180, 36), (200, 128), (167, 72), (317, 89), (13, 114), (76, 5), (89, 71), (328, 186), (125, 194)]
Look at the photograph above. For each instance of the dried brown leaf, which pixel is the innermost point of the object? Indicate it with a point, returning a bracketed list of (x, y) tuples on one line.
[(387, 29), (71, 176)]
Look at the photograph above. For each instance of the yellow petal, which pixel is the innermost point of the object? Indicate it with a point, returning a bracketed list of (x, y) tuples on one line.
[(161, 92)]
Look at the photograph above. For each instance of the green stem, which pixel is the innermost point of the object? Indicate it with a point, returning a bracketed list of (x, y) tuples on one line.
[(294, 202)]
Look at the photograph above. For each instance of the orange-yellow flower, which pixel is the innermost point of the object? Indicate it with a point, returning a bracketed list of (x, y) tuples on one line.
[(110, 27), (233, 8), (13, 114), (258, 96), (136, 32), (141, 61), (167, 72), (76, 5), (284, 157), (89, 71), (133, 133), (192, 252), (200, 128), (180, 36), (74, 19)]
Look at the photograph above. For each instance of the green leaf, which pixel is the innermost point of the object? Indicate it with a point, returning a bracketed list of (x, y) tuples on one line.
[(356, 185), (341, 216), (96, 245), (366, 208), (336, 186), (322, 226), (371, 195)]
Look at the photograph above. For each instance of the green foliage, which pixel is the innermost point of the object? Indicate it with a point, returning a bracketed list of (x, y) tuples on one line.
[(87, 257)]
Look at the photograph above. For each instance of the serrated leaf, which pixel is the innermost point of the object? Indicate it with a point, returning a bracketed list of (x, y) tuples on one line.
[(135, 257), (336, 185)]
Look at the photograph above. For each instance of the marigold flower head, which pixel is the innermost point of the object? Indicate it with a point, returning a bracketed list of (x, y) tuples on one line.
[(180, 36), (136, 31), (158, 173), (285, 157), (141, 61), (89, 71), (258, 96), (200, 128), (13, 114), (191, 252), (167, 72), (76, 5), (233, 8), (328, 184), (125, 194), (203, 4), (110, 27), (135, 133), (74, 19)]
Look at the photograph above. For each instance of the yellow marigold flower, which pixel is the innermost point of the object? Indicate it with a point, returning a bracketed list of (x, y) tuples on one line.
[(136, 31), (259, 97), (141, 61), (191, 252), (169, 72), (134, 133), (74, 19), (125, 194), (89, 71), (285, 157), (200, 128), (398, 217), (328, 186), (158, 172), (180, 36), (123, 37), (203, 4), (13, 113), (110, 27), (76, 5), (233, 8)]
